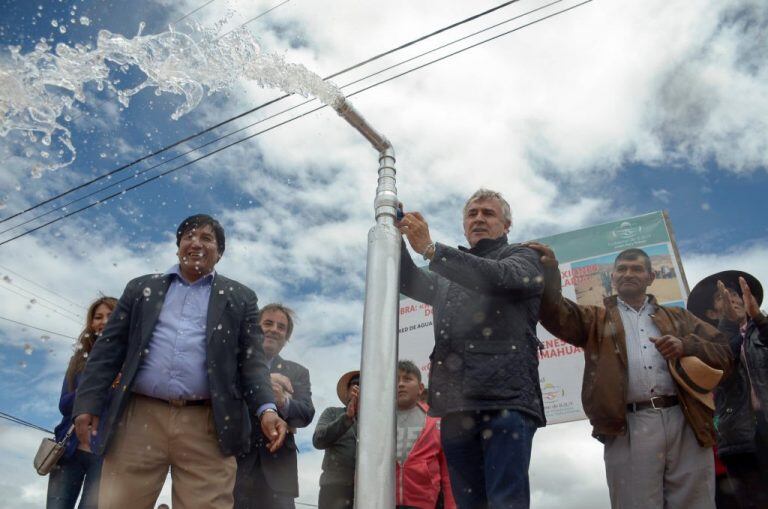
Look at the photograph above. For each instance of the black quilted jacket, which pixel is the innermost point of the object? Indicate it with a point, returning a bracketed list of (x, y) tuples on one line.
[(486, 305)]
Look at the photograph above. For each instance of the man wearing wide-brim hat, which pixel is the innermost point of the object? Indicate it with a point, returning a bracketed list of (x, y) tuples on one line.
[(731, 300), (336, 434)]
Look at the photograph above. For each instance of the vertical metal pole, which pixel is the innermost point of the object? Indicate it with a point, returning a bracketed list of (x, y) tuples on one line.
[(375, 469), (375, 473)]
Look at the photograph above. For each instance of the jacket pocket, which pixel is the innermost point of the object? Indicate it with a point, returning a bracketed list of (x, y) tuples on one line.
[(490, 371)]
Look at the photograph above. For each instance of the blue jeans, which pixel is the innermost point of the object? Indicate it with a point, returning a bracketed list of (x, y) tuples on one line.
[(67, 477), (488, 454)]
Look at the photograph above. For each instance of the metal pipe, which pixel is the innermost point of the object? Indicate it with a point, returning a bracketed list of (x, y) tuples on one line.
[(375, 463)]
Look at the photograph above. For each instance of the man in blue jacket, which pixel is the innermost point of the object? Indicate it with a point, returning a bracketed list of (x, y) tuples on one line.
[(189, 348), (484, 379)]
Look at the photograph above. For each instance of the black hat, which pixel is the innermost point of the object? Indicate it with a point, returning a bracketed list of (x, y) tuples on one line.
[(700, 299)]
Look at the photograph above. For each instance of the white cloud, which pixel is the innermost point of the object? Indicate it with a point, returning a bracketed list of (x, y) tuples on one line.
[(563, 105)]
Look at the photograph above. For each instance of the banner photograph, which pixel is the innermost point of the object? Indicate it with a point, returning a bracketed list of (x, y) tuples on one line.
[(586, 259)]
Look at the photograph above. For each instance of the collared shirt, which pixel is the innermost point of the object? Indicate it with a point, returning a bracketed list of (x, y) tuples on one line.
[(647, 372), (174, 365)]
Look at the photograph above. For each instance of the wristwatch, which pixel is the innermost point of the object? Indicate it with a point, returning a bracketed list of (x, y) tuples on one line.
[(268, 410), (429, 251)]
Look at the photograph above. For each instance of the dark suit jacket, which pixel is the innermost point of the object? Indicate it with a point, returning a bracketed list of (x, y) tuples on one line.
[(237, 372), (280, 468)]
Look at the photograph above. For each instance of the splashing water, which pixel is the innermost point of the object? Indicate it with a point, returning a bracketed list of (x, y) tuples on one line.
[(39, 87)]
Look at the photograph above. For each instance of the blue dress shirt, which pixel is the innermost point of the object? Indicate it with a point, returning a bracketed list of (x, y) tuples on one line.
[(174, 365)]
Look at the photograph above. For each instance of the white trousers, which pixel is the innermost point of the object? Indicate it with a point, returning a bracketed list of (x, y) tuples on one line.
[(659, 464)]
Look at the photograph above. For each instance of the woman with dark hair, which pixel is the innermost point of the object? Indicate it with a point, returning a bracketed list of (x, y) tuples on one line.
[(79, 467)]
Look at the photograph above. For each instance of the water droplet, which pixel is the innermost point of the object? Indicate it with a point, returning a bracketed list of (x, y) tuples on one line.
[(28, 349), (147, 291), (85, 20), (54, 23)]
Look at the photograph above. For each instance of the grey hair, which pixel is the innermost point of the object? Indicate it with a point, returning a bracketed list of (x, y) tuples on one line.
[(487, 194)]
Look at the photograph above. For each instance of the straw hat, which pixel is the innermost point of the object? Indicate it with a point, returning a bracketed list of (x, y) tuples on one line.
[(341, 387), (700, 299), (696, 377)]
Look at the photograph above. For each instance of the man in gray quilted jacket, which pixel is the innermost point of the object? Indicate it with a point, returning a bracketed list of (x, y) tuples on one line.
[(483, 379)]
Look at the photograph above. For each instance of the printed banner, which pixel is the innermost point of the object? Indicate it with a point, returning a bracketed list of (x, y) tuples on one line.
[(586, 259)]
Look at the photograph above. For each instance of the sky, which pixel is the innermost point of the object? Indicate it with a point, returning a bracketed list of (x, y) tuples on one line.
[(611, 110)]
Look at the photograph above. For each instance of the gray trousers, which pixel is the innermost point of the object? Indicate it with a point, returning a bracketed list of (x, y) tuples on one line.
[(659, 464)]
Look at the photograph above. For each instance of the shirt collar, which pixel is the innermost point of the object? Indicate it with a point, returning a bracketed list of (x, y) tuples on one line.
[(176, 271), (628, 307)]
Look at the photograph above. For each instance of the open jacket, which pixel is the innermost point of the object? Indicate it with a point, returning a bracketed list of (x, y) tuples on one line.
[(424, 474), (237, 372), (733, 405), (486, 305), (600, 332), (280, 468)]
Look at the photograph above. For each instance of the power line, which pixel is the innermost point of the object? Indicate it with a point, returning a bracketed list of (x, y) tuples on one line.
[(25, 297), (261, 106), (36, 328), (42, 287), (209, 2), (41, 298), (28, 424), (260, 121), (254, 18), (107, 198)]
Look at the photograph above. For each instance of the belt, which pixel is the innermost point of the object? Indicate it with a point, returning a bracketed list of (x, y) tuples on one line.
[(179, 402), (656, 402)]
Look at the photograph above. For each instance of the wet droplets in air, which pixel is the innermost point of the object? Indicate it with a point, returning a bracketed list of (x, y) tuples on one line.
[(42, 84), (28, 349), (147, 291)]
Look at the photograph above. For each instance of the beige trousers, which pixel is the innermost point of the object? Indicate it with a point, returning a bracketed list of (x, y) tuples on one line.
[(152, 437), (659, 464)]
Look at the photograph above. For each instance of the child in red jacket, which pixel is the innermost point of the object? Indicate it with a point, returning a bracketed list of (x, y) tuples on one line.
[(421, 469)]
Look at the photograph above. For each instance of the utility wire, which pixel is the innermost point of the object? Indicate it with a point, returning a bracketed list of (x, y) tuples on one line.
[(37, 328), (20, 276), (28, 424), (260, 121), (54, 310), (224, 147), (261, 106), (41, 298), (209, 2), (254, 18)]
